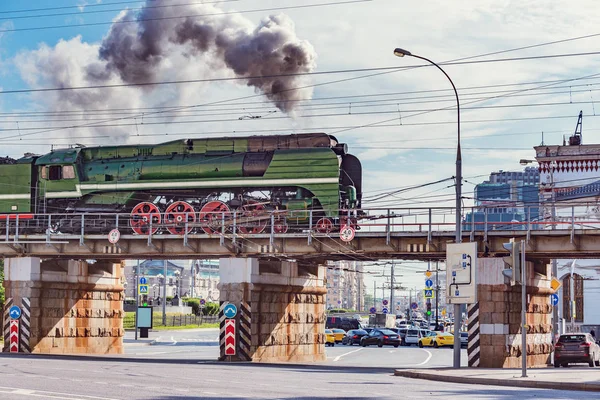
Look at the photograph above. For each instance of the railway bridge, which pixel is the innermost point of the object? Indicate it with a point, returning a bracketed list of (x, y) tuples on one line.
[(70, 282)]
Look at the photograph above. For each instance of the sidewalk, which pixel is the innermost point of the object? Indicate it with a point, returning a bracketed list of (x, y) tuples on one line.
[(574, 378)]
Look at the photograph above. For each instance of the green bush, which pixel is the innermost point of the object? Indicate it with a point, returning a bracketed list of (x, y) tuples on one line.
[(194, 303), (211, 309), (169, 298)]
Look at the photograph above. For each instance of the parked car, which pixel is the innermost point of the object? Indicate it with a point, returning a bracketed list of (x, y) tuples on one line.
[(576, 348), (380, 337), (464, 339), (338, 334), (330, 339), (353, 336), (437, 339), (412, 336)]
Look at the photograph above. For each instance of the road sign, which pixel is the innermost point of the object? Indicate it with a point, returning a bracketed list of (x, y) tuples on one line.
[(461, 264), (554, 299), (385, 310), (372, 310), (414, 306), (230, 310), (384, 302), (14, 336), (143, 289), (555, 284), (230, 337), (114, 236), (14, 312), (429, 293), (202, 302), (143, 281), (428, 274), (347, 233), (443, 311), (428, 283)]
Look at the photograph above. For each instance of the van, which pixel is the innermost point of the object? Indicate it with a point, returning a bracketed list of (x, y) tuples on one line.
[(412, 336)]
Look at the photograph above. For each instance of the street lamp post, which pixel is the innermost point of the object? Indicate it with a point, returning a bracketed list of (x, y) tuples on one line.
[(458, 237)]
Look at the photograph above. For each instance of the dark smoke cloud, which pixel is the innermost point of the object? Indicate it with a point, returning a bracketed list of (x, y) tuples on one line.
[(136, 51)]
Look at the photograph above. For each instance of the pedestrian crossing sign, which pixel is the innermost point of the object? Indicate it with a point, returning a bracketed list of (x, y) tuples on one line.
[(429, 293), (143, 289)]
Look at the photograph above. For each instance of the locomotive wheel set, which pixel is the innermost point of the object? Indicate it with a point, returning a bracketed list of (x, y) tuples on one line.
[(246, 184)]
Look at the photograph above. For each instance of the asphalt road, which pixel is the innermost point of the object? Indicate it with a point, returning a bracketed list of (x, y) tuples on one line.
[(180, 365)]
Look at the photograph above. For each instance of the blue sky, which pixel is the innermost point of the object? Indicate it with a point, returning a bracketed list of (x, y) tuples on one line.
[(505, 105)]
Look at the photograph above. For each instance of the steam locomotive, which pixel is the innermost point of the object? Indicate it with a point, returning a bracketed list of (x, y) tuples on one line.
[(186, 185)]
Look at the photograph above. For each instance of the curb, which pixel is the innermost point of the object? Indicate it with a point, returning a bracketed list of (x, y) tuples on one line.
[(585, 387)]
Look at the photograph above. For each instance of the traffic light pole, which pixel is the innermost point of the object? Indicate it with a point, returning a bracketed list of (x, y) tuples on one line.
[(523, 312), (437, 295), (137, 297)]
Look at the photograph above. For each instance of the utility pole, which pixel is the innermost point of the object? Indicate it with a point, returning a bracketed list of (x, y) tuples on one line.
[(164, 300), (437, 294), (392, 289), (137, 297), (523, 311), (375, 295)]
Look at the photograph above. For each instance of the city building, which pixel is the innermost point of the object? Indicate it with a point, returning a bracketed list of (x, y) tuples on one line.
[(185, 278), (504, 200), (345, 285)]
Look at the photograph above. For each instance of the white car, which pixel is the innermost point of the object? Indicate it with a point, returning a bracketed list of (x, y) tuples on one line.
[(413, 335)]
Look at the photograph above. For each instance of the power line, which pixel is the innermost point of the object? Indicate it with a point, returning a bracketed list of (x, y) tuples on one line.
[(236, 78), (103, 4), (84, 13), (39, 28)]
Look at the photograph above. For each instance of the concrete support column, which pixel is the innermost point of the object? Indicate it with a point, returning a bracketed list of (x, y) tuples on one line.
[(500, 317), (281, 309), (75, 307)]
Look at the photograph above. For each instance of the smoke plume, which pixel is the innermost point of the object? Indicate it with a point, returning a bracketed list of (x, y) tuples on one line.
[(136, 51), (162, 46)]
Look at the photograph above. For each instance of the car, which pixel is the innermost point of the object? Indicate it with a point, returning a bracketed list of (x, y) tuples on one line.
[(437, 339), (338, 334), (330, 339), (464, 339), (368, 330), (413, 335), (401, 332), (353, 336), (576, 348), (380, 337), (344, 323)]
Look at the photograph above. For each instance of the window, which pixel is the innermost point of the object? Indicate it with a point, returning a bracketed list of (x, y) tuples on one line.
[(57, 172), (68, 172)]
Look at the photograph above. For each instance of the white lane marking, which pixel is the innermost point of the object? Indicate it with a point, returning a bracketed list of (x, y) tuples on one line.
[(345, 354), (47, 394), (428, 358), (393, 351)]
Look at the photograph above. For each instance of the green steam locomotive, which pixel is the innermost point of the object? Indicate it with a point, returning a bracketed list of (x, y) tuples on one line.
[(185, 185)]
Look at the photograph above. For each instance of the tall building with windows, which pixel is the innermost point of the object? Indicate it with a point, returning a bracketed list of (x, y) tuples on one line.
[(504, 200), (345, 285)]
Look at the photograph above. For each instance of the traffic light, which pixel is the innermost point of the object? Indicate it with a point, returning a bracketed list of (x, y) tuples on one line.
[(428, 309), (512, 263)]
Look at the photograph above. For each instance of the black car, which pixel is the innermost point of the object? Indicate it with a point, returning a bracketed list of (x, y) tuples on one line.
[(353, 336), (381, 337), (401, 332), (576, 348)]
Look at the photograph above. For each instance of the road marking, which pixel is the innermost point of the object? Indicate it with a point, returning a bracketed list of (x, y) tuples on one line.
[(428, 358), (47, 394), (345, 354), (393, 351)]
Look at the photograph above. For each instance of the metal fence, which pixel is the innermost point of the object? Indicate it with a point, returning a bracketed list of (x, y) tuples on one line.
[(172, 320)]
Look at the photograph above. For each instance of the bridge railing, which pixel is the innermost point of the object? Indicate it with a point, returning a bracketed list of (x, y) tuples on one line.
[(308, 223)]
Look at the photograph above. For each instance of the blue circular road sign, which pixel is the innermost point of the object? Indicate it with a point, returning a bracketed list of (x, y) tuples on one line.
[(554, 299), (202, 301), (230, 310), (414, 306), (385, 310), (14, 312), (385, 302), (428, 283), (372, 310), (143, 281)]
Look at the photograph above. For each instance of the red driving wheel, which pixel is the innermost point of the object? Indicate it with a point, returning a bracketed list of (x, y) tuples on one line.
[(324, 225), (251, 221), (176, 216), (280, 226), (211, 215), (141, 215)]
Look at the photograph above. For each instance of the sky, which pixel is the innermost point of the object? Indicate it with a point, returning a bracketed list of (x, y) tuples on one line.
[(523, 71)]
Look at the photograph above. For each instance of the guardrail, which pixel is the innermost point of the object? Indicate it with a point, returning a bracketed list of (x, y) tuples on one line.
[(308, 223)]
